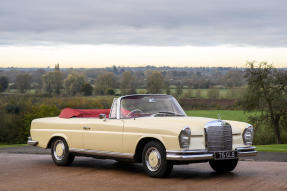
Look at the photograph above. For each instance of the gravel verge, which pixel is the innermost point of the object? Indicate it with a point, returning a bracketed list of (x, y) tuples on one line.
[(25, 150)]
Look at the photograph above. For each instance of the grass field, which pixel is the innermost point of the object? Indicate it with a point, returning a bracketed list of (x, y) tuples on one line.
[(272, 148), (223, 93), (228, 93), (236, 115)]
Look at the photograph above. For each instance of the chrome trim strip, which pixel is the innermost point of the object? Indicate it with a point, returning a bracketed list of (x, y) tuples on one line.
[(199, 151), (245, 148), (113, 105), (31, 142), (203, 154), (118, 114), (102, 153), (196, 135), (247, 153), (195, 157)]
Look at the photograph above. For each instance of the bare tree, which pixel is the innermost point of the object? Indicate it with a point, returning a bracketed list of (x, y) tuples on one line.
[(52, 81), (73, 84), (23, 82), (105, 82), (155, 82), (128, 83), (179, 89)]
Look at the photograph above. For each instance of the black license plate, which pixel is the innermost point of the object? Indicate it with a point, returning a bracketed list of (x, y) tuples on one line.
[(225, 155)]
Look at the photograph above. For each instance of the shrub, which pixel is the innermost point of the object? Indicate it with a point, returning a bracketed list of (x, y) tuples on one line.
[(36, 112), (12, 108), (9, 128), (17, 112), (87, 89), (110, 91), (3, 83)]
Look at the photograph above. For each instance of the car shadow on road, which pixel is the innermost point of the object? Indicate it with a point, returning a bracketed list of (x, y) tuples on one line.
[(199, 174), (108, 165), (179, 171)]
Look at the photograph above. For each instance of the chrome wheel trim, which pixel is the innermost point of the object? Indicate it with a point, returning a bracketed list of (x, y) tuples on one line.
[(59, 149), (152, 159)]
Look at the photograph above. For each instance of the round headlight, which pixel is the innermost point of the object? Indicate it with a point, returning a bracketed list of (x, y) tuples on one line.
[(184, 138), (248, 135)]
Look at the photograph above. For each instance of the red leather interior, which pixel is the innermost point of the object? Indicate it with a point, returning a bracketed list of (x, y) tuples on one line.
[(69, 113), (124, 112)]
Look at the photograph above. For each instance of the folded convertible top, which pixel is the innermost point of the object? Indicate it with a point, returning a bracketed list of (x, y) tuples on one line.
[(69, 112)]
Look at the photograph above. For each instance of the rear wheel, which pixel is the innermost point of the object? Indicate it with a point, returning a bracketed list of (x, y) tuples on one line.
[(222, 166), (154, 160), (60, 152)]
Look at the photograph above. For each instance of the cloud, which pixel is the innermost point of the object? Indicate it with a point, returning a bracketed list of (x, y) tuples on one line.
[(148, 22)]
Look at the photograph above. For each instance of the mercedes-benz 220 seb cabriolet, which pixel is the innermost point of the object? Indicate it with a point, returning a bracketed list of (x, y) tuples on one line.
[(152, 129)]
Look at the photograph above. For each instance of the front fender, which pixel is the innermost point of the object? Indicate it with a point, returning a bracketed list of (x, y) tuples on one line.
[(48, 145)]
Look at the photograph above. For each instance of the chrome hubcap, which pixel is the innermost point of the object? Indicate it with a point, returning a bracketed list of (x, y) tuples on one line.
[(152, 159), (59, 149)]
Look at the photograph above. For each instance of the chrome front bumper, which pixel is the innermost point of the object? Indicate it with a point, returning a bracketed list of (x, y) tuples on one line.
[(201, 155), (31, 142)]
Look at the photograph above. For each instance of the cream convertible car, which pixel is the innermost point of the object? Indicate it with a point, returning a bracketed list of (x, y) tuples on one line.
[(152, 129)]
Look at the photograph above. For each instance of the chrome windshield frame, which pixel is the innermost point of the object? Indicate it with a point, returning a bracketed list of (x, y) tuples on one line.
[(113, 105)]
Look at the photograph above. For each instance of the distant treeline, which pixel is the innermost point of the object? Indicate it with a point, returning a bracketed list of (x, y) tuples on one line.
[(99, 81)]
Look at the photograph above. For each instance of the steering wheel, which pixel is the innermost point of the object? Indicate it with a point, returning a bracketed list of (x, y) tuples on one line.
[(134, 111)]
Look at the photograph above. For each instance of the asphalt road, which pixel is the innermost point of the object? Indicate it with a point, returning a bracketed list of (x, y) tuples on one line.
[(38, 172)]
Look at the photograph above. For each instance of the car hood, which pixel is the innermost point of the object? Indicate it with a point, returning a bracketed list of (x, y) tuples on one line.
[(196, 124)]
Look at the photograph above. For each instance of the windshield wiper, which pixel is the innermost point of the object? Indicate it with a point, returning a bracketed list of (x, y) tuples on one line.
[(168, 113)]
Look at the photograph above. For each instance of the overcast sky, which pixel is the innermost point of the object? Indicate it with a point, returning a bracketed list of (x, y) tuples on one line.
[(36, 26)]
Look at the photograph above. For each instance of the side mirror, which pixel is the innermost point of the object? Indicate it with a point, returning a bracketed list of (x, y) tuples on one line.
[(102, 116)]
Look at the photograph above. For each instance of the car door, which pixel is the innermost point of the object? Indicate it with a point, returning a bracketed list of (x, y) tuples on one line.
[(103, 135)]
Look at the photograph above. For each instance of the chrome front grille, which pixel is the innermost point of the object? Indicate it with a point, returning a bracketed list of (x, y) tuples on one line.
[(218, 138)]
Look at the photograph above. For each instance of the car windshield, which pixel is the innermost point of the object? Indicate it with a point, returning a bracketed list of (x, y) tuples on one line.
[(150, 105)]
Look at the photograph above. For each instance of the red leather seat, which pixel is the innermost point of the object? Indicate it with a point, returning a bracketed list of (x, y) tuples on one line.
[(69, 113)]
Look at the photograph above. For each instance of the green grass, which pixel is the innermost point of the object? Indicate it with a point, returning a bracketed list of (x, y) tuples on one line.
[(223, 93), (272, 148), (236, 115), (12, 145)]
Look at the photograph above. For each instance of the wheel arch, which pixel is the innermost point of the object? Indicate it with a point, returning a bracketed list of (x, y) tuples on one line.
[(140, 146), (53, 137)]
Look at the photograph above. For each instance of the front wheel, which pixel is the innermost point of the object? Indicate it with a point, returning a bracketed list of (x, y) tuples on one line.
[(154, 160), (222, 166), (60, 152)]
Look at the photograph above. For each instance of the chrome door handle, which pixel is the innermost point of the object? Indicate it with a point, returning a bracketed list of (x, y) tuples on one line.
[(86, 128)]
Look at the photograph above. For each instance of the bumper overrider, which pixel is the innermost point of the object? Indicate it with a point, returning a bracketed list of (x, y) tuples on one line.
[(201, 155), (31, 142)]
